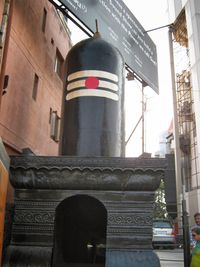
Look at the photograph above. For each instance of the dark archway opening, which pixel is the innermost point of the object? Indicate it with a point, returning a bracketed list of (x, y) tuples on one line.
[(80, 232)]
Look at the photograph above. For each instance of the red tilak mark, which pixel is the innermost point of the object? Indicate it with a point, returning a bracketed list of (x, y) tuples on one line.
[(91, 83)]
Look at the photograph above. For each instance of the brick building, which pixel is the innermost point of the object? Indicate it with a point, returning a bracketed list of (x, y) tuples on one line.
[(34, 41), (39, 40)]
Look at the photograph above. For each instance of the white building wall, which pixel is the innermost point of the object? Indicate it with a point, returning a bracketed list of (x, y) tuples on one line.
[(174, 8), (194, 200), (192, 10)]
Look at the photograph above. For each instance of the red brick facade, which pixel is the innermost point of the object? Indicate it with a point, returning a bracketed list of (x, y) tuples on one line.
[(33, 46)]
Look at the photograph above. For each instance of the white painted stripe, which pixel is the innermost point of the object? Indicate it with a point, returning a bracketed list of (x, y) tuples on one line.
[(104, 84), (93, 73), (92, 92)]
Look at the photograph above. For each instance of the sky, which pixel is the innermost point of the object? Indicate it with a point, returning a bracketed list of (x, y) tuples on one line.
[(152, 14), (158, 115)]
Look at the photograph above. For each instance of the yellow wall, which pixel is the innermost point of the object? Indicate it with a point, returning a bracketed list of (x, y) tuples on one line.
[(3, 192)]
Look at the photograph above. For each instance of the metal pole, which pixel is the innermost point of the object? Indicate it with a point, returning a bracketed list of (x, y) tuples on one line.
[(186, 234), (142, 119), (131, 76), (179, 182), (133, 130)]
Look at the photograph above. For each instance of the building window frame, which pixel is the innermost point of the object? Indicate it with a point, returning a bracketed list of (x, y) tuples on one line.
[(35, 87), (44, 19), (59, 63)]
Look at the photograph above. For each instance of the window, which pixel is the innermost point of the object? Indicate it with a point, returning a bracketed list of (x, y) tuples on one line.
[(35, 86), (59, 61), (44, 19), (54, 125)]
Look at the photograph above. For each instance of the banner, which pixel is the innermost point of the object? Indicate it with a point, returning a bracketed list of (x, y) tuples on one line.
[(118, 26)]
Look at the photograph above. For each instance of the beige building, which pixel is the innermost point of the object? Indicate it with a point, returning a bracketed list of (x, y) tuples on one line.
[(184, 14)]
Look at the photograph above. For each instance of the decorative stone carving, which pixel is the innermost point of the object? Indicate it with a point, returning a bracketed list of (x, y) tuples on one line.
[(124, 186)]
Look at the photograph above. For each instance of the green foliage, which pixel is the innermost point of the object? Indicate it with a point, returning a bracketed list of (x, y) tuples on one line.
[(159, 207)]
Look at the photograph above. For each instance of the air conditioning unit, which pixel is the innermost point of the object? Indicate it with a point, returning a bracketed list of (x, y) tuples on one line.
[(54, 126)]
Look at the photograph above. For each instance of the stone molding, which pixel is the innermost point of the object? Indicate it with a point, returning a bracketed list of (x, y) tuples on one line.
[(86, 173)]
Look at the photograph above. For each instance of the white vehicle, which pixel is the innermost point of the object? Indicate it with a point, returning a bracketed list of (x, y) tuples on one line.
[(163, 234)]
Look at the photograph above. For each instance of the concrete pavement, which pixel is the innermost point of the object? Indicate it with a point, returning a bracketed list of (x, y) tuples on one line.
[(171, 258)]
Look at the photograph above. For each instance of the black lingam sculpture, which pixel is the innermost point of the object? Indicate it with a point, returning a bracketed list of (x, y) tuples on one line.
[(93, 107)]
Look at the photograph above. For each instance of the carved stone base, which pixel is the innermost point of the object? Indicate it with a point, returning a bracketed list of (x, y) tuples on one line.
[(113, 194), (24, 256)]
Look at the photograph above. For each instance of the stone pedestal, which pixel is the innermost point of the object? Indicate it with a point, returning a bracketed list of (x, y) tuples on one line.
[(123, 187)]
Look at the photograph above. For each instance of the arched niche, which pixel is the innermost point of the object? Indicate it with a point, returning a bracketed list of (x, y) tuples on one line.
[(80, 232)]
